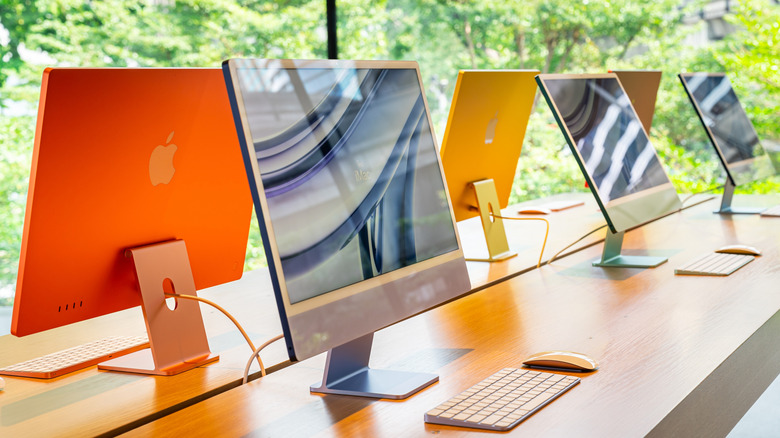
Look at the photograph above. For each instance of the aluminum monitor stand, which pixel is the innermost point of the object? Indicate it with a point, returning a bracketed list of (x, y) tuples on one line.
[(725, 202), (347, 373)]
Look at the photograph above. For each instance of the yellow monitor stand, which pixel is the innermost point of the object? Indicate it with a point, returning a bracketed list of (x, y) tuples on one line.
[(493, 226)]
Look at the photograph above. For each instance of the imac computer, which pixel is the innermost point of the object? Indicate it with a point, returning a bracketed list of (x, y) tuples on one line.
[(615, 155), (137, 180), (353, 208), (481, 146), (730, 132), (641, 86)]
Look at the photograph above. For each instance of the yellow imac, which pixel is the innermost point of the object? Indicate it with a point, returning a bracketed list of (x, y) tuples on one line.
[(481, 146)]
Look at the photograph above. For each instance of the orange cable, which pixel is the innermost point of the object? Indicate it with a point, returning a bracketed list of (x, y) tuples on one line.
[(544, 244), (218, 307)]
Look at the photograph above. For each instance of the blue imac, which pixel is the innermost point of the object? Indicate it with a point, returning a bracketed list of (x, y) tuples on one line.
[(356, 221)]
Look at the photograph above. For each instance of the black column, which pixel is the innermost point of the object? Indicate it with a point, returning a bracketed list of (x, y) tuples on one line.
[(330, 12)]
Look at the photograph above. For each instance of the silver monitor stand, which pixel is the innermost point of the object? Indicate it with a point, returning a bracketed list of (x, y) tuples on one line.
[(347, 373), (725, 202)]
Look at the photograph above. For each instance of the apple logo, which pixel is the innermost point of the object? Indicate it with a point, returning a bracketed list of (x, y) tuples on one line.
[(161, 168), (491, 129)]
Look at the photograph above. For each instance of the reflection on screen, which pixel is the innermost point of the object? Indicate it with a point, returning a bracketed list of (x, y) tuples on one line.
[(723, 114), (350, 173), (609, 137)]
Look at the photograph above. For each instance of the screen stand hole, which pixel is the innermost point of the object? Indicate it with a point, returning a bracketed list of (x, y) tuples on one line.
[(168, 288)]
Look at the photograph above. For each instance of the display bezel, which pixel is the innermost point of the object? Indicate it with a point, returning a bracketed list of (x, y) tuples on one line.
[(287, 309), (739, 172), (630, 210)]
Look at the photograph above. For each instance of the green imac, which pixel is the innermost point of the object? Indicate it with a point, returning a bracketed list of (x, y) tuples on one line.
[(615, 155)]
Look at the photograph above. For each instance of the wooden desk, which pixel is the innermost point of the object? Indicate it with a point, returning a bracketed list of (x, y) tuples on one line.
[(92, 402), (86, 402), (683, 356), (526, 237)]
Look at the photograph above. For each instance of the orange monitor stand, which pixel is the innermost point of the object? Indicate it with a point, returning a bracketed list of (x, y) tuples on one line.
[(177, 337)]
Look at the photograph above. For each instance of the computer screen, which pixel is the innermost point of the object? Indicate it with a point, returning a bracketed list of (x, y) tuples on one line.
[(353, 208), (484, 133), (728, 126), (611, 147), (125, 158)]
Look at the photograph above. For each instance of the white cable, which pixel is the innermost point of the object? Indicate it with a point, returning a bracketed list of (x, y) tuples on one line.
[(687, 198), (574, 243)]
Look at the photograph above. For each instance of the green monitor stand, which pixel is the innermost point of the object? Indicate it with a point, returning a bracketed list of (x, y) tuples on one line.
[(611, 257)]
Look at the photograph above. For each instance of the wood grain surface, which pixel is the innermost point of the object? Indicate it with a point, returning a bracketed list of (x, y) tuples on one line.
[(679, 355), (92, 402), (568, 305)]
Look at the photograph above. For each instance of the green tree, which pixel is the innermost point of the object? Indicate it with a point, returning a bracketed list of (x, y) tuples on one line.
[(127, 33), (753, 55), (444, 36), (17, 136)]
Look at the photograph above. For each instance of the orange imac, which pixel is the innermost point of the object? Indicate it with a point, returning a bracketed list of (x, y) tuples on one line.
[(137, 181), (641, 86)]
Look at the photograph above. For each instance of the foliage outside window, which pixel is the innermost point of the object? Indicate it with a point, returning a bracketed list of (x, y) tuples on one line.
[(442, 35)]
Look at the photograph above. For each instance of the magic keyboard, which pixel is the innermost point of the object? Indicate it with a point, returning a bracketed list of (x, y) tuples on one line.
[(76, 358), (501, 401), (773, 211), (719, 264)]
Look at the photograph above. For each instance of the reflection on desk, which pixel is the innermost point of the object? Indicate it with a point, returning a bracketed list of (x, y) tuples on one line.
[(92, 402), (85, 403), (665, 335), (678, 355)]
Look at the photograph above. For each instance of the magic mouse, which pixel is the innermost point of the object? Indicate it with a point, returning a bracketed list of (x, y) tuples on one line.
[(562, 360), (739, 249)]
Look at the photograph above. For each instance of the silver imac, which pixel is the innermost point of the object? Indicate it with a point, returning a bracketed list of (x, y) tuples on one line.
[(730, 132), (615, 155), (356, 222)]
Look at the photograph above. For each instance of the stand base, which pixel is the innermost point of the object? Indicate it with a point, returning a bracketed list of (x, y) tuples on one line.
[(611, 257), (725, 202), (142, 362), (740, 210), (493, 258), (622, 261), (396, 385)]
